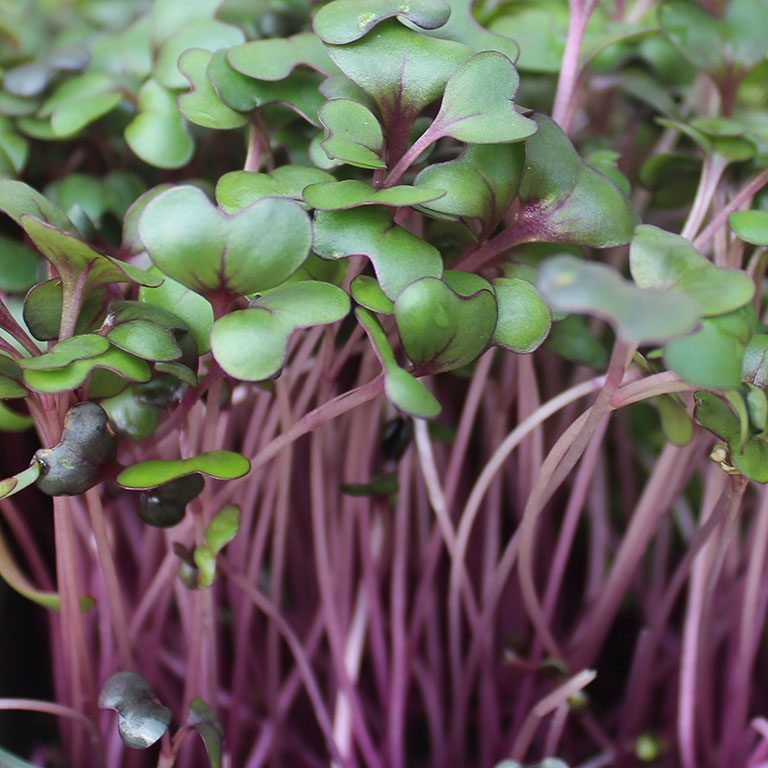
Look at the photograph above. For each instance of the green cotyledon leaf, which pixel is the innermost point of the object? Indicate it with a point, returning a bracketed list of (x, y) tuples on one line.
[(197, 244), (251, 344)]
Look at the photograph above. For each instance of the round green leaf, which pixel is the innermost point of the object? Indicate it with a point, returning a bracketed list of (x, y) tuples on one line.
[(158, 134), (524, 319), (442, 329), (750, 226), (221, 465), (251, 344), (205, 249)]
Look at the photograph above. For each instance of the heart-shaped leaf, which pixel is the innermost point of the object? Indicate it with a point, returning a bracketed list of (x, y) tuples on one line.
[(565, 200), (638, 315), (351, 193), (402, 70), (208, 35), (398, 256), (204, 720), (442, 329), (164, 506), (142, 719), (524, 319), (207, 250), (237, 189), (80, 102), (277, 58), (158, 134), (660, 259), (74, 375), (298, 91), (480, 184), (201, 104), (221, 465), (345, 21), (130, 416), (478, 103), (712, 356), (251, 344), (750, 226), (352, 134), (78, 461), (403, 389)]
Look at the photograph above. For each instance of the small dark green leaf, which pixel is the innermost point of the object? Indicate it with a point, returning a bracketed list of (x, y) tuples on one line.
[(142, 719), (164, 506), (380, 485), (78, 461), (130, 416), (43, 308)]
